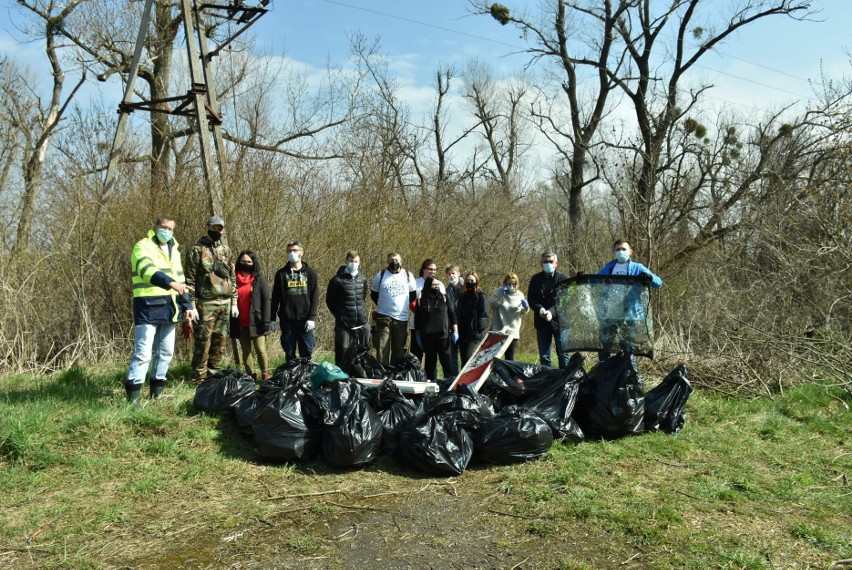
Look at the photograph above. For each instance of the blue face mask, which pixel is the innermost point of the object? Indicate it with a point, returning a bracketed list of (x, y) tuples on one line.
[(548, 267), (165, 236), (352, 267), (510, 289), (622, 256)]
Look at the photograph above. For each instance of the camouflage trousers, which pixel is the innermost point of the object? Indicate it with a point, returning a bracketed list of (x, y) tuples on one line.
[(211, 338)]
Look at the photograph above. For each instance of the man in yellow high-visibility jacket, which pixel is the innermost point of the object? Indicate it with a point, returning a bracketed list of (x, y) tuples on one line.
[(160, 299)]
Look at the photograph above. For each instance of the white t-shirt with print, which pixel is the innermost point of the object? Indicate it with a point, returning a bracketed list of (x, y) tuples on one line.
[(393, 293)]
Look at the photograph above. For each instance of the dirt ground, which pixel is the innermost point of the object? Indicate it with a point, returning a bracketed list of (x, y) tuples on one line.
[(440, 525)]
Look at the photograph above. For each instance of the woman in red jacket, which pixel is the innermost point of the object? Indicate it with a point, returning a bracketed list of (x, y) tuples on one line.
[(254, 320)]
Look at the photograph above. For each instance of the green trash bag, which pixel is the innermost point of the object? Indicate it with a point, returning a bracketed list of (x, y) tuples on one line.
[(326, 372)]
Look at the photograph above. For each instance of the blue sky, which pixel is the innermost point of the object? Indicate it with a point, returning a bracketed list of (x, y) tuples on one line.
[(770, 62)]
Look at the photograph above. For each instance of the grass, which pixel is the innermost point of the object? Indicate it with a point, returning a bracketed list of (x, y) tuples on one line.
[(88, 480)]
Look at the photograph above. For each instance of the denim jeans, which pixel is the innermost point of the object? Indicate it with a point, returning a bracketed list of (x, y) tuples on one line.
[(158, 340), (293, 334), (544, 337)]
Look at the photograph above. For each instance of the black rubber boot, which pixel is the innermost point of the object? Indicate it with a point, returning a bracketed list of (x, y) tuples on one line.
[(157, 387), (133, 394)]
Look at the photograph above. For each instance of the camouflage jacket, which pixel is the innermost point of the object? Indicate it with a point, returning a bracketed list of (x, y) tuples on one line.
[(210, 271)]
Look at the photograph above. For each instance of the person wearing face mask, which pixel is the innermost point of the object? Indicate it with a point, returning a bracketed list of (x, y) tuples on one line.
[(436, 327), (542, 299), (508, 307), (427, 269), (394, 292), (210, 275), (454, 291), (346, 298), (255, 316), (616, 317), (160, 299), (472, 316), (295, 300)]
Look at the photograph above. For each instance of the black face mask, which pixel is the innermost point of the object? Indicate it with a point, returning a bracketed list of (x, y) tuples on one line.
[(394, 266), (434, 292), (247, 268), (215, 236), (471, 285)]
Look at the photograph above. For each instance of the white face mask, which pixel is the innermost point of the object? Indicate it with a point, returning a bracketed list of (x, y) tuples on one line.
[(294, 256)]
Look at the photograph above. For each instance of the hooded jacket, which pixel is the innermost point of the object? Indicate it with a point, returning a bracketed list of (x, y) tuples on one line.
[(295, 293), (346, 298)]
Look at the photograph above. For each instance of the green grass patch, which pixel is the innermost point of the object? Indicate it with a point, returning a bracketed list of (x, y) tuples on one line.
[(746, 484)]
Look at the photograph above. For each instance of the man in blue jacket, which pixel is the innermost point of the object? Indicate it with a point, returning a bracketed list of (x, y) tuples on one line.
[(160, 298), (618, 315)]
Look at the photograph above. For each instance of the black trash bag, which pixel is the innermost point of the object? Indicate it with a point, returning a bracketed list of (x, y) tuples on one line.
[(514, 435), (359, 362), (408, 368), (549, 392), (287, 424), (664, 404), (245, 412), (296, 371), (222, 391), (436, 439), (352, 430), (611, 402), (394, 409)]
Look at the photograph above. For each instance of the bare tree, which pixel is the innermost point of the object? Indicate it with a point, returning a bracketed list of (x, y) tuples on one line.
[(39, 118), (562, 36)]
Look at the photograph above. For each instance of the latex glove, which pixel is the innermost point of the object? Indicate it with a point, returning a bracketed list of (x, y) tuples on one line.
[(191, 315), (235, 312), (454, 337), (547, 316), (413, 306), (419, 342), (310, 325), (524, 304), (273, 326)]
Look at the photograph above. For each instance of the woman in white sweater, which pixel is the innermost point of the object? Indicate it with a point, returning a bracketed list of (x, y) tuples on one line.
[(508, 307)]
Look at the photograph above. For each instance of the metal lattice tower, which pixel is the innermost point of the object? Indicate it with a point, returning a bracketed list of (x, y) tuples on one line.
[(200, 104)]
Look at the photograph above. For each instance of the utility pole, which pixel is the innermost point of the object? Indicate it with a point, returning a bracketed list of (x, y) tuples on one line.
[(200, 104)]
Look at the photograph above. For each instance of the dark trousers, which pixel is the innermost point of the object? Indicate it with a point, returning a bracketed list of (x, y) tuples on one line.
[(545, 336), (436, 347), (345, 337), (466, 349), (454, 361), (293, 334), (510, 352)]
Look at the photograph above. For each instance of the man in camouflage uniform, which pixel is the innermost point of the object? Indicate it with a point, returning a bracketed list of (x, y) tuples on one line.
[(211, 277)]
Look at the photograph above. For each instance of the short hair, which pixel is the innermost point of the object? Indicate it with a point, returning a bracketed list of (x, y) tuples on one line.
[(618, 242), (393, 254), (549, 253), (452, 268), (163, 218), (297, 243), (352, 254), (511, 277)]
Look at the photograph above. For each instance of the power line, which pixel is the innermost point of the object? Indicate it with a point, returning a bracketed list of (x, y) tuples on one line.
[(523, 48)]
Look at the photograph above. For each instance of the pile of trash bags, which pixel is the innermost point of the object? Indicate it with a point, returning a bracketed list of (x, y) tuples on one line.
[(308, 409)]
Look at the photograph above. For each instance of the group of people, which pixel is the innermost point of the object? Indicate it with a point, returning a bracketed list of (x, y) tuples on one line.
[(218, 296)]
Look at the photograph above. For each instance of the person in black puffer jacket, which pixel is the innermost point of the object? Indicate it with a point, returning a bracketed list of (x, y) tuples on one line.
[(472, 316), (346, 298)]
